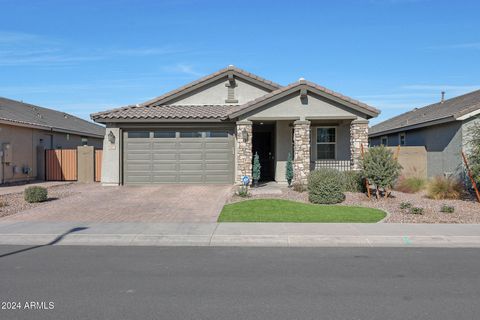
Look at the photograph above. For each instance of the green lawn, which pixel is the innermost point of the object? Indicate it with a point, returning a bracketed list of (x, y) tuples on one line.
[(276, 210)]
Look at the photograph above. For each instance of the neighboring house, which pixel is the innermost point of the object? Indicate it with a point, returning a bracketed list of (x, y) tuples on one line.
[(27, 130), (442, 128), (208, 131)]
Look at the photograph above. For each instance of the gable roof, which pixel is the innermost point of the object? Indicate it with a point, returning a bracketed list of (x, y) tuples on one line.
[(309, 86), (160, 109), (165, 98), (25, 114), (450, 110)]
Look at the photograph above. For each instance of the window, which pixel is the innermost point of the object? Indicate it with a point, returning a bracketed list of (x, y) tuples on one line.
[(216, 134), (326, 143), (138, 134), (164, 134), (402, 138), (190, 134), (384, 141), (84, 141)]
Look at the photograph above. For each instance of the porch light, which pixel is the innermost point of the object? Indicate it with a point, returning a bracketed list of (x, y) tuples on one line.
[(111, 137), (245, 135)]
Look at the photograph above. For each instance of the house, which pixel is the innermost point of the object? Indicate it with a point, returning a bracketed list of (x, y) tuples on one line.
[(27, 130), (442, 128), (208, 131)]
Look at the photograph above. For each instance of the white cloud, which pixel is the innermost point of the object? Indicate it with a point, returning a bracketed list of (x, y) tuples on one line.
[(184, 69)]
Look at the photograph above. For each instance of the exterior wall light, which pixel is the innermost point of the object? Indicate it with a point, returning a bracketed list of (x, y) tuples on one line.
[(111, 137), (245, 135)]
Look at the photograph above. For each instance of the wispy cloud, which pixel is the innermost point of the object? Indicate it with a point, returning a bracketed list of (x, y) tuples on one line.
[(22, 49), (183, 69)]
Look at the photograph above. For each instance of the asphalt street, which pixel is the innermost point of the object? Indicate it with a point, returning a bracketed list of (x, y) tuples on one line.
[(79, 282)]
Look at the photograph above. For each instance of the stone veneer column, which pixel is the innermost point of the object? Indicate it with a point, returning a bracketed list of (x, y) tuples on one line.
[(244, 150), (301, 149), (358, 137)]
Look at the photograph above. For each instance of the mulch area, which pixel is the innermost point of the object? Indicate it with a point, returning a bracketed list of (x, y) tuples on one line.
[(13, 203), (466, 211)]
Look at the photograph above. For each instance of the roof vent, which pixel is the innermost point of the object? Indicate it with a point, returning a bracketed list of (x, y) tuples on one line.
[(231, 66), (443, 97), (301, 79), (65, 115)]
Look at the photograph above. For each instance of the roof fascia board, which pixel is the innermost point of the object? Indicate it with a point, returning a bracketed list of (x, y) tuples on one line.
[(412, 127), (343, 102), (468, 115), (47, 128), (208, 81), (100, 120)]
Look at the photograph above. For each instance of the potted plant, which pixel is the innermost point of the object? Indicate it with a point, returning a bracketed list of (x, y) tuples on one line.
[(256, 169), (289, 170)]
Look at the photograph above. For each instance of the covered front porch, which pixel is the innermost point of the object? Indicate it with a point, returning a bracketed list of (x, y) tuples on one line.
[(312, 144)]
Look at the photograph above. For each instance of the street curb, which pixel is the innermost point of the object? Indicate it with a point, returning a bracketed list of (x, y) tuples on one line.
[(243, 240)]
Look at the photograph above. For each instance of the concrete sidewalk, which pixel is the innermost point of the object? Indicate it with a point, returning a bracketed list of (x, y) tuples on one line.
[(240, 234)]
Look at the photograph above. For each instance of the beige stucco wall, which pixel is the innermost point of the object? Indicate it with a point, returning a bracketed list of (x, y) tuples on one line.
[(24, 142), (216, 93), (111, 157), (292, 106), (283, 144)]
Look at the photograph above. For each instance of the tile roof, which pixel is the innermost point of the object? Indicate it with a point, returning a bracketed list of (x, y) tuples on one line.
[(161, 99), (248, 106), (32, 115), (451, 108), (179, 112)]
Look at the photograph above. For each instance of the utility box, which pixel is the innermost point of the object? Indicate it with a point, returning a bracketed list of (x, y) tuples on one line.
[(7, 153)]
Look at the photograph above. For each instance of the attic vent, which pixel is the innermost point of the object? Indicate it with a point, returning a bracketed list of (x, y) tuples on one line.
[(231, 84)]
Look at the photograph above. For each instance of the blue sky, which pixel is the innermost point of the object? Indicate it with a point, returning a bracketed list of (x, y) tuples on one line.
[(87, 56)]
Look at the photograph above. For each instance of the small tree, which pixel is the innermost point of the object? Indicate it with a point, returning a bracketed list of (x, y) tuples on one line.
[(289, 170), (256, 169), (474, 151), (380, 168)]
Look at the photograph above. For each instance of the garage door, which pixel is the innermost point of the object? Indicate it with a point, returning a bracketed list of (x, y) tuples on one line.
[(180, 156)]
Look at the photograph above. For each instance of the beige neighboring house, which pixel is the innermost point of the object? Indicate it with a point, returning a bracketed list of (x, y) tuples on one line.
[(27, 130), (208, 131)]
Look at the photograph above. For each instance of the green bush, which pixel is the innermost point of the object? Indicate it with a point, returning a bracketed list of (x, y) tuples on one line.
[(447, 209), (444, 188), (256, 171), (243, 192), (325, 187), (416, 210), (353, 181), (410, 185), (380, 168), (289, 170), (35, 194), (473, 153), (405, 205)]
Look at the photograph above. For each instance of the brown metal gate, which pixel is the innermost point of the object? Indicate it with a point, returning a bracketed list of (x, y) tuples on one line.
[(98, 165), (61, 165)]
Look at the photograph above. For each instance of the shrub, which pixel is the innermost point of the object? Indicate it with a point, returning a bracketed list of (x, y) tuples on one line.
[(380, 168), (444, 188), (405, 205), (256, 168), (324, 186), (35, 194), (416, 210), (299, 187), (410, 185), (243, 192), (353, 181), (473, 153), (289, 169), (447, 209)]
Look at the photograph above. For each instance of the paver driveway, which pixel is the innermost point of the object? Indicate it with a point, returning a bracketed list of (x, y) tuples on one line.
[(163, 203)]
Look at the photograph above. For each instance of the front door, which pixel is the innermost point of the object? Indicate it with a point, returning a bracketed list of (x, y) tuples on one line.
[(262, 142)]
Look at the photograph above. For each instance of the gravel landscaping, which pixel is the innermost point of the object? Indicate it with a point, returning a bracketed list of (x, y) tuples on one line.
[(466, 211), (14, 203)]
